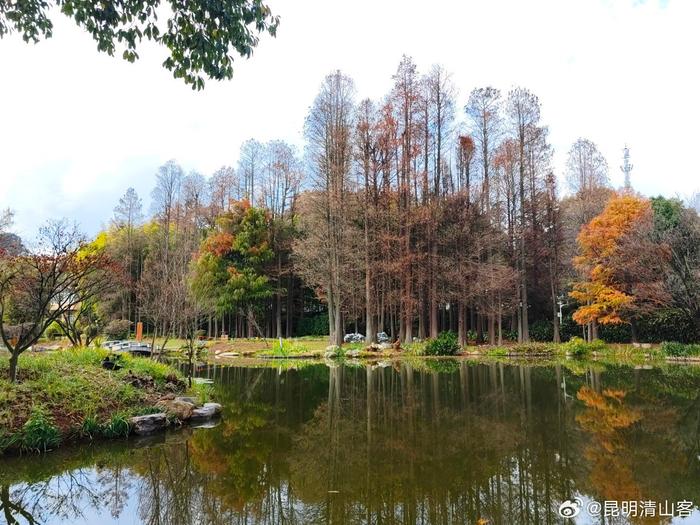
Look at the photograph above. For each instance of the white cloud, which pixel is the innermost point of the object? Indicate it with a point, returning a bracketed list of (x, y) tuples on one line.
[(79, 127)]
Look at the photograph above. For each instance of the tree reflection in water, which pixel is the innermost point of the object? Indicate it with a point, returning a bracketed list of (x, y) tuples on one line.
[(436, 442)]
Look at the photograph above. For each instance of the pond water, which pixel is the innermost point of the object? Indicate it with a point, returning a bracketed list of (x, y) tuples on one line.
[(432, 442)]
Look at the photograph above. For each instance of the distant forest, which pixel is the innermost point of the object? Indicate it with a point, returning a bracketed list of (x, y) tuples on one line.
[(410, 215)]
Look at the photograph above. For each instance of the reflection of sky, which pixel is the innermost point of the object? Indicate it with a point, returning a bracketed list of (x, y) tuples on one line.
[(92, 505), (85, 485)]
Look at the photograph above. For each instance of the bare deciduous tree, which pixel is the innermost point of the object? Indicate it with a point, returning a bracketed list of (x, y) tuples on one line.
[(47, 284)]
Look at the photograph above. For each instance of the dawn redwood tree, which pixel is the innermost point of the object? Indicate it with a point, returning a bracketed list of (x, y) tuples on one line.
[(406, 98), (165, 204), (440, 110), (278, 191), (485, 122), (201, 36), (465, 158), (322, 253), (41, 287), (367, 165), (250, 167), (224, 187), (523, 110), (484, 112), (586, 167), (552, 248)]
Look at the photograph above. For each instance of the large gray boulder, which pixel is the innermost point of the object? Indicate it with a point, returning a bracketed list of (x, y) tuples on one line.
[(144, 425), (354, 338), (206, 411)]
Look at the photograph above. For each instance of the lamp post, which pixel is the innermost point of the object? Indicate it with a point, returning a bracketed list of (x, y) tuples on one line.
[(561, 304)]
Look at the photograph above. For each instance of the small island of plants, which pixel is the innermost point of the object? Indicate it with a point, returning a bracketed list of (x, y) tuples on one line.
[(65, 396)]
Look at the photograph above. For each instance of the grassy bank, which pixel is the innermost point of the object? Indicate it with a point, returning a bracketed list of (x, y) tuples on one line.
[(68, 395), (316, 348)]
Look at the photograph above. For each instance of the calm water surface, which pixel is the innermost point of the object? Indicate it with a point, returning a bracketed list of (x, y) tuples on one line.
[(436, 442)]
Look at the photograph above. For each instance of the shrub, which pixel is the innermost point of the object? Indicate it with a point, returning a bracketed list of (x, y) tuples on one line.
[(542, 331), (316, 325), (675, 349), (443, 344), (615, 333), (576, 346), (39, 434), (510, 335), (118, 329), (668, 325), (598, 345), (580, 348)]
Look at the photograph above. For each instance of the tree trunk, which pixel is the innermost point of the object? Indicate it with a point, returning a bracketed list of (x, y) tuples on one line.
[(370, 331), (290, 305), (633, 327), (278, 310), (434, 324), (331, 320), (557, 335), (594, 330), (500, 322), (13, 367), (479, 329), (492, 329), (461, 318), (338, 325)]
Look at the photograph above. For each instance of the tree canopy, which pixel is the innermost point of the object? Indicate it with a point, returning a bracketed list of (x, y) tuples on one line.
[(201, 35)]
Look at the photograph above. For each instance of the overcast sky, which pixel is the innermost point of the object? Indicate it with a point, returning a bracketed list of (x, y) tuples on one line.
[(78, 127)]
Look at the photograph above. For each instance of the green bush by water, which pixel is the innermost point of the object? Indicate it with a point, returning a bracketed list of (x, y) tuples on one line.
[(444, 344), (580, 348), (675, 349)]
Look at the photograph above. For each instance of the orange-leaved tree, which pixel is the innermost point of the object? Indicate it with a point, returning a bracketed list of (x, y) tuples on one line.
[(620, 263)]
